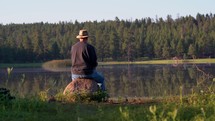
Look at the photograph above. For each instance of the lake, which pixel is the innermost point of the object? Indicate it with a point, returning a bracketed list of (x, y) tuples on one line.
[(121, 80)]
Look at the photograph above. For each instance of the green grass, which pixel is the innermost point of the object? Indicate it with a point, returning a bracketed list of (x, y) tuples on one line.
[(34, 109), (198, 106)]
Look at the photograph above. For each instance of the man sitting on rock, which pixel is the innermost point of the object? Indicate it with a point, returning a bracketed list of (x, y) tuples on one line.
[(84, 60)]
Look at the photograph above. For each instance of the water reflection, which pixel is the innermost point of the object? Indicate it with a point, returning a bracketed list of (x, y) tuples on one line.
[(121, 80)]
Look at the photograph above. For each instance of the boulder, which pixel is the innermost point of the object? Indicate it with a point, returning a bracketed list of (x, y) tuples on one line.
[(81, 86)]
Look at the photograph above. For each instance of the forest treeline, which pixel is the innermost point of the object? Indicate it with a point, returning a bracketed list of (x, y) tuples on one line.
[(114, 40)]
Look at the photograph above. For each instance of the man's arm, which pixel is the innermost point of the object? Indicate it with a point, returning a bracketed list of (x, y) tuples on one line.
[(92, 56)]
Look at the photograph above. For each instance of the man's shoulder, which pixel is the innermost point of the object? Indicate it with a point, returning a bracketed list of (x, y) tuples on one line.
[(83, 45), (89, 45), (76, 44)]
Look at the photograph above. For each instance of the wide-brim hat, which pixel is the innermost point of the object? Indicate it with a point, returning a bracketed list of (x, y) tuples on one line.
[(82, 34)]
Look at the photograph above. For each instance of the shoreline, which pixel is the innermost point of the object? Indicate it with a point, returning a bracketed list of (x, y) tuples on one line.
[(67, 63), (186, 61)]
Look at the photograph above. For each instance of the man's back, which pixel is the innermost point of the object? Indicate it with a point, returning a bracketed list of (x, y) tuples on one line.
[(84, 59)]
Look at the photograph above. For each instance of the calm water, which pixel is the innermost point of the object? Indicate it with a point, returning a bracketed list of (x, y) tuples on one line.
[(121, 80)]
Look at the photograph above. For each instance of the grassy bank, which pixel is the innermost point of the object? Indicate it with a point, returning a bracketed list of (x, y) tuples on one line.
[(67, 63), (60, 64), (199, 107), (21, 65), (187, 61)]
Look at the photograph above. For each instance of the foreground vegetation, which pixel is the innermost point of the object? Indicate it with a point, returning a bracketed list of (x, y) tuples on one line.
[(197, 106)]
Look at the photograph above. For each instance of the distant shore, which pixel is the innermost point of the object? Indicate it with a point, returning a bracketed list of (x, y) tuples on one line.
[(67, 63), (186, 61), (20, 65)]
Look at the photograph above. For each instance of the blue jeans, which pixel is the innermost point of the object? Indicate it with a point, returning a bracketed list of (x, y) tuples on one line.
[(98, 77)]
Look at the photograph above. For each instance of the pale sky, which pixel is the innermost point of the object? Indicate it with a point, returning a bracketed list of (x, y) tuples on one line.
[(53, 11)]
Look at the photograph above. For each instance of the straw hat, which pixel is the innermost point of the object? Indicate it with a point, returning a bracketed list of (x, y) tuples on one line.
[(82, 34)]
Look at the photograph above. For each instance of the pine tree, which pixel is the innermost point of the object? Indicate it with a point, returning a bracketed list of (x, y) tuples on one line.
[(192, 51), (166, 51), (114, 45), (180, 48)]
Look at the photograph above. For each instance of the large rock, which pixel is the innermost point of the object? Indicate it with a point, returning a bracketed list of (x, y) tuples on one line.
[(81, 86)]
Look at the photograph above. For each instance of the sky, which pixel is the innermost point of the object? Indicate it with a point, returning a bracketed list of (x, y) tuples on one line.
[(54, 11)]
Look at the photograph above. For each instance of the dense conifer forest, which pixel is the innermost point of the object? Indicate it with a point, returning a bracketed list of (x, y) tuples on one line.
[(114, 40)]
